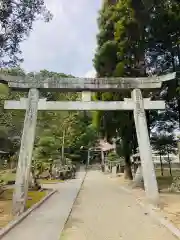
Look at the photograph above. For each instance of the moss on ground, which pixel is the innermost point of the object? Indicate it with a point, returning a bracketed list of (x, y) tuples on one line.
[(6, 204), (165, 181), (34, 197), (7, 176), (44, 181)]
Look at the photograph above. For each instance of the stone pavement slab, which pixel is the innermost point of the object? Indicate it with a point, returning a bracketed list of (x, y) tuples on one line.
[(103, 211), (47, 221)]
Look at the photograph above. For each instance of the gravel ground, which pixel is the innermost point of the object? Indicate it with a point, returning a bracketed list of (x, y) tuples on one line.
[(105, 212)]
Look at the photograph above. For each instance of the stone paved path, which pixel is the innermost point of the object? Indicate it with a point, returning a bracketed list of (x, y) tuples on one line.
[(105, 212), (46, 222)]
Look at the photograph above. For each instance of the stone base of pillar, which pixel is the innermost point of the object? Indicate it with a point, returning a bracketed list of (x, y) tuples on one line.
[(138, 178)]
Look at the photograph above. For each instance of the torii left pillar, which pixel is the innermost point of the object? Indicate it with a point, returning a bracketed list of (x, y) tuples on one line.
[(25, 155)]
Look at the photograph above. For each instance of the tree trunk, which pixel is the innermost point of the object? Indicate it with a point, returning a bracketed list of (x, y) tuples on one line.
[(148, 122), (169, 161), (134, 141), (170, 171), (162, 172), (178, 102), (127, 169), (50, 171), (135, 168)]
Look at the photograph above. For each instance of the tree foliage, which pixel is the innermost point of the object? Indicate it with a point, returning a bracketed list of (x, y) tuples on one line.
[(132, 43), (16, 20), (118, 54), (50, 125)]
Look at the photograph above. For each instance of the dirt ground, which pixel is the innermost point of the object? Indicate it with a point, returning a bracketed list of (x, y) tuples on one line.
[(169, 202), (170, 208), (5, 212)]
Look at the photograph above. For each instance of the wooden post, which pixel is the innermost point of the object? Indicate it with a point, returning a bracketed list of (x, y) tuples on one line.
[(148, 171), (102, 157), (25, 155)]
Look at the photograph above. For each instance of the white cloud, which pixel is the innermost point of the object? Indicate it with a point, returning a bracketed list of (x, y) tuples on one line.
[(67, 43), (90, 74)]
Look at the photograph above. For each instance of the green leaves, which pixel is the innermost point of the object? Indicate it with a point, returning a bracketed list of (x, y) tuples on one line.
[(163, 143), (112, 156), (106, 58), (16, 19)]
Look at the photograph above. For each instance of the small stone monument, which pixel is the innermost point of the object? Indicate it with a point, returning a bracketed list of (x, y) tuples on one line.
[(106, 168), (175, 186), (138, 177), (114, 171)]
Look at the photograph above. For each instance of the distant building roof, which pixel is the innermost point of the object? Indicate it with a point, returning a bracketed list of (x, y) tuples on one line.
[(105, 146)]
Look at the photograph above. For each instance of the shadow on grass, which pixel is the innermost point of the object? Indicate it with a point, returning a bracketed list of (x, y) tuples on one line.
[(33, 196), (6, 203), (165, 181)]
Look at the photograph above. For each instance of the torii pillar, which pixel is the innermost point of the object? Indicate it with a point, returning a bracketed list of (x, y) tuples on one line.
[(25, 154), (145, 150)]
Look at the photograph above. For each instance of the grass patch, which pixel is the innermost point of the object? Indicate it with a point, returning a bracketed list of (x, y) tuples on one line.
[(6, 195), (7, 176), (44, 181), (6, 204), (34, 197), (165, 181), (63, 236)]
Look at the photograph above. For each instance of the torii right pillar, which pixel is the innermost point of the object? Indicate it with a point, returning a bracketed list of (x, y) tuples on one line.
[(149, 176)]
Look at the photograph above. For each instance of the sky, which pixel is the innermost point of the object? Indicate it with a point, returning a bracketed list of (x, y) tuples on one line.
[(66, 44)]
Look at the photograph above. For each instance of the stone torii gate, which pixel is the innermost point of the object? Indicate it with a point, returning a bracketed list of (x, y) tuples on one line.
[(32, 104)]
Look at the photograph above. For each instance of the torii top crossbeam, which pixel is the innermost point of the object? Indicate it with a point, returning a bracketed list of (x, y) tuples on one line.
[(84, 84)]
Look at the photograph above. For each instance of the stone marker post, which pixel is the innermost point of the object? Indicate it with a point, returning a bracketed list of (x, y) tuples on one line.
[(138, 178), (88, 158), (150, 181), (106, 168), (114, 171), (25, 155), (102, 158)]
